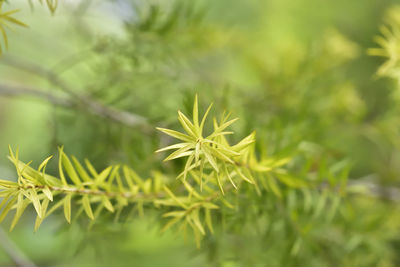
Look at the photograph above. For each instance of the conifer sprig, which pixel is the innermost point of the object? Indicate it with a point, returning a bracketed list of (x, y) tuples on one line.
[(212, 157), (212, 164)]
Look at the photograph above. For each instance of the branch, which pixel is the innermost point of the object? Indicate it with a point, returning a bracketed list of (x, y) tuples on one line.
[(91, 105), (13, 251), (376, 190), (12, 90), (95, 192)]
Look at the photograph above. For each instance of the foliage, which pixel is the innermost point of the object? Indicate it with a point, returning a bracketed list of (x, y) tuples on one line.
[(116, 187), (316, 186)]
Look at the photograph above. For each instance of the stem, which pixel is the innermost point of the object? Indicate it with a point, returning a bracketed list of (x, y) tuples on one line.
[(13, 251), (93, 192), (12, 90), (83, 101)]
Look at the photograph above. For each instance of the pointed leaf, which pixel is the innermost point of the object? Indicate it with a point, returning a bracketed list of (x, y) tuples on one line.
[(67, 207), (177, 135), (87, 207)]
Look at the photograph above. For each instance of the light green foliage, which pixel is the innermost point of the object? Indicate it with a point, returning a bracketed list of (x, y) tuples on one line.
[(295, 72), (211, 164), (107, 189), (213, 158)]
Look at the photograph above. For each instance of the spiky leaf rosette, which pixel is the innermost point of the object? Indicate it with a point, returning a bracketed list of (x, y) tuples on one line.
[(211, 157)]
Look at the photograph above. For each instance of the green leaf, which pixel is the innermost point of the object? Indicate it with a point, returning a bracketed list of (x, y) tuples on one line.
[(182, 152), (32, 195), (307, 199), (204, 119), (21, 206), (170, 223), (67, 207), (187, 166), (44, 163), (39, 219), (320, 205), (8, 184), (201, 174), (129, 178), (208, 220), (60, 168), (245, 142), (209, 205), (187, 125), (290, 180), (180, 203), (15, 21), (220, 155), (242, 175), (274, 186), (196, 232), (196, 114), (196, 221), (176, 146), (107, 203), (87, 207), (229, 176), (55, 206), (97, 213), (174, 214), (104, 174), (211, 160), (70, 169), (46, 191), (91, 169), (220, 184), (8, 207), (219, 129), (82, 172), (177, 135)]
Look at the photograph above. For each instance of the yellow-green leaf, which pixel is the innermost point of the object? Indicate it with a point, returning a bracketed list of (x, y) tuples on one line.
[(21, 206), (87, 207), (177, 135), (107, 204), (67, 207), (7, 208), (208, 220), (39, 219), (46, 191), (70, 169)]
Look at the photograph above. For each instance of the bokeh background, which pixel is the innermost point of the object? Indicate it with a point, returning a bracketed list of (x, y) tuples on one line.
[(297, 72)]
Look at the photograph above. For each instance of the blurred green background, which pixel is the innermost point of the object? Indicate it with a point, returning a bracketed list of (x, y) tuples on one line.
[(297, 72)]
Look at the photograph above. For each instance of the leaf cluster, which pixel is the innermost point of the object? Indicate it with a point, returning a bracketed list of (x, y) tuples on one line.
[(214, 173), (211, 157)]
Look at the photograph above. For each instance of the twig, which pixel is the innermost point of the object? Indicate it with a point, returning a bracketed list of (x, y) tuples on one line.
[(94, 107), (376, 190), (367, 187), (12, 90), (13, 251)]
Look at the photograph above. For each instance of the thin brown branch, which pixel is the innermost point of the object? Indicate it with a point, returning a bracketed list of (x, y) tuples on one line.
[(377, 190), (13, 251), (91, 105), (13, 90), (96, 192)]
